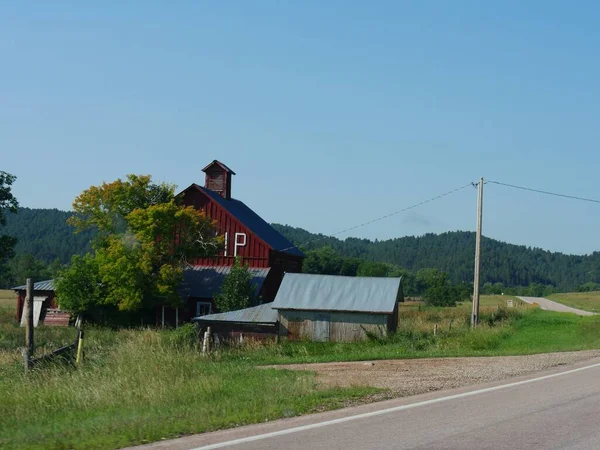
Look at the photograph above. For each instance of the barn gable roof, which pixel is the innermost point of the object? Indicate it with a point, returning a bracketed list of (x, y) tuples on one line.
[(253, 222), (336, 293), (206, 281)]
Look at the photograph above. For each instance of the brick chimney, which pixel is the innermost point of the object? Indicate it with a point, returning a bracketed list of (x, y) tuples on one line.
[(218, 178)]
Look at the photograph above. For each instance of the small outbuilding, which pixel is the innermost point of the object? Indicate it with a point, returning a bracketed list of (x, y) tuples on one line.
[(45, 307), (255, 323), (337, 308)]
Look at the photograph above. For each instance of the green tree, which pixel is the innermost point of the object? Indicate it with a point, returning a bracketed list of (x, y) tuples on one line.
[(8, 203), (144, 239), (588, 287), (77, 286), (439, 291), (535, 290), (26, 266), (464, 291), (324, 261), (350, 266), (374, 269), (237, 290), (425, 278)]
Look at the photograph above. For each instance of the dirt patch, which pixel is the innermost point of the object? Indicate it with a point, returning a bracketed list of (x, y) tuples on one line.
[(404, 377)]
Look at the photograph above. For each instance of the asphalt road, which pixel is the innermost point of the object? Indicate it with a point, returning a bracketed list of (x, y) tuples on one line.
[(554, 306), (555, 409)]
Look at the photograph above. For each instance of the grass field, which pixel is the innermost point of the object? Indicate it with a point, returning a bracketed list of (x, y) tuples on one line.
[(588, 301), (7, 299), (517, 331), (145, 385)]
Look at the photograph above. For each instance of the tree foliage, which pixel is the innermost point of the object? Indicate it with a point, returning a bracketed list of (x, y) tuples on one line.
[(507, 268), (514, 266), (106, 207), (24, 266), (143, 241), (46, 235), (8, 203), (437, 290), (237, 290), (78, 285)]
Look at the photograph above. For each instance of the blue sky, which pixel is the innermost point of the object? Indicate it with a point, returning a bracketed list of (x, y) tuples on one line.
[(331, 113)]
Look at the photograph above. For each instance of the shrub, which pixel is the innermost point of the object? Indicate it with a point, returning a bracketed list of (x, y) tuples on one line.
[(183, 338), (237, 290)]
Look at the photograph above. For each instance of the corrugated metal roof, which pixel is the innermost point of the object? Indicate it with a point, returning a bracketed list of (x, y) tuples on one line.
[(205, 281), (254, 222), (256, 314), (47, 285), (336, 293)]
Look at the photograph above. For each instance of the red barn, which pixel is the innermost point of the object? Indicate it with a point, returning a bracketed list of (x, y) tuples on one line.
[(247, 236)]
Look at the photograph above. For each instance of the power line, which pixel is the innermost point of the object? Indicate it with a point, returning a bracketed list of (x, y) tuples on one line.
[(572, 197), (437, 197)]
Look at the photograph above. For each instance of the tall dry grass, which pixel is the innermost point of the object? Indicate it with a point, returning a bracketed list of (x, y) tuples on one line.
[(145, 385)]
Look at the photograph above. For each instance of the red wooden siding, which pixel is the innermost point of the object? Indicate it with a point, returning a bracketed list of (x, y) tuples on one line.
[(255, 253), (48, 303)]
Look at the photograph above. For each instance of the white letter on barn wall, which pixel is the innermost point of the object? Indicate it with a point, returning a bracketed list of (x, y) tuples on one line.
[(237, 243)]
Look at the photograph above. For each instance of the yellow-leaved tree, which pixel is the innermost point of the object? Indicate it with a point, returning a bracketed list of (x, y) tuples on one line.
[(144, 239)]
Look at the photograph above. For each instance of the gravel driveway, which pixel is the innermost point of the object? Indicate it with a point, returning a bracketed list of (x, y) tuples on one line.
[(404, 377)]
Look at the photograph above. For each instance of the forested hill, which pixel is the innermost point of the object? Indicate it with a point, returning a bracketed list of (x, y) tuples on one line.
[(44, 234), (453, 252)]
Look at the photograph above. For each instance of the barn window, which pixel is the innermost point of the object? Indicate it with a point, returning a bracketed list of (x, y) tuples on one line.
[(203, 308)]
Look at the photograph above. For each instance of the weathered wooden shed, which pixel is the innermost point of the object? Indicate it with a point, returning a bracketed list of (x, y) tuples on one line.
[(45, 307), (255, 323), (336, 308)]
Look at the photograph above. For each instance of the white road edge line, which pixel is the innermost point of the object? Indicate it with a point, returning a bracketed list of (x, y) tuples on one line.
[(387, 411)]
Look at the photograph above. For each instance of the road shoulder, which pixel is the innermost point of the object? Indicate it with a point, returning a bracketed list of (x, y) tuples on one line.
[(205, 439)]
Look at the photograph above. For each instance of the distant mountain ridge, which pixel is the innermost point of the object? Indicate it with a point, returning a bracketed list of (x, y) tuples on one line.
[(44, 234), (453, 252)]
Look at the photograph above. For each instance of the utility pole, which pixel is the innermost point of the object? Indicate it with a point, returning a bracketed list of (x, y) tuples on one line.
[(475, 313), (28, 323)]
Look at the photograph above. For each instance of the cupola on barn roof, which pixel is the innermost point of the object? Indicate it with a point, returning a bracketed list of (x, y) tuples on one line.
[(218, 178), (220, 164)]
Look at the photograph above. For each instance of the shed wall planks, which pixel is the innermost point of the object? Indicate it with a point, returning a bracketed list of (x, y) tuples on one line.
[(343, 326)]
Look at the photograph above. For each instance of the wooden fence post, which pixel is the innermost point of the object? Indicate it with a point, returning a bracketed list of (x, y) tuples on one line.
[(29, 348), (79, 359), (26, 360), (206, 341)]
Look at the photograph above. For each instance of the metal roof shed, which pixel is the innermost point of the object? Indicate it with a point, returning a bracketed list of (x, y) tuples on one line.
[(336, 308), (258, 322), (261, 314), (45, 306)]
